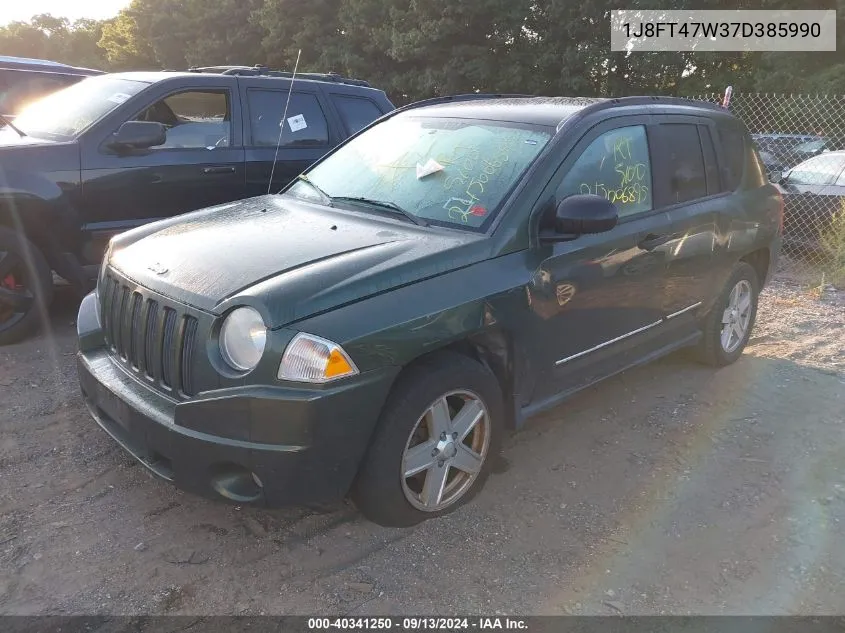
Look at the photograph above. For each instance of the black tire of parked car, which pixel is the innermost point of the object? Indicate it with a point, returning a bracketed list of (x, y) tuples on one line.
[(378, 489), (22, 264), (709, 350)]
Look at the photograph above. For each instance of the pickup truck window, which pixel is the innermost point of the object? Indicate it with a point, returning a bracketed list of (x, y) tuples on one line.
[(451, 171), (306, 124), (67, 113), (194, 119)]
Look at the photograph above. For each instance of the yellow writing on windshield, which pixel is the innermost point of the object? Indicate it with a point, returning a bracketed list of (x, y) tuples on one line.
[(473, 174)]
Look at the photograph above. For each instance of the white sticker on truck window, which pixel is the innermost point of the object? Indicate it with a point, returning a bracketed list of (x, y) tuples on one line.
[(297, 123), (119, 97)]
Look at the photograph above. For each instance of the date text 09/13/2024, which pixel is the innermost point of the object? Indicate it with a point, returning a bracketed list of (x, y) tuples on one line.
[(418, 623)]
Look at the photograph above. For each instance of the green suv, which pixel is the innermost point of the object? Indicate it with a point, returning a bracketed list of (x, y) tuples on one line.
[(450, 271)]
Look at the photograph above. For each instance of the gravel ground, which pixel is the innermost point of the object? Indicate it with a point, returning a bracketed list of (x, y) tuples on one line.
[(670, 489)]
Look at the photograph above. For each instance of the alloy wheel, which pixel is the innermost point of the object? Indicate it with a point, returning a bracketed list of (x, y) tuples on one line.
[(736, 316), (445, 451)]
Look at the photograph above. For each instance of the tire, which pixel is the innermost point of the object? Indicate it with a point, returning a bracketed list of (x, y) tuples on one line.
[(24, 277), (712, 349), (381, 492)]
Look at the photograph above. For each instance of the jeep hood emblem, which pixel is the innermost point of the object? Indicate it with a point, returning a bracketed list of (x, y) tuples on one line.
[(158, 268)]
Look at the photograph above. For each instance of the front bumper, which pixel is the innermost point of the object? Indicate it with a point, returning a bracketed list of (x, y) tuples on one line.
[(271, 445)]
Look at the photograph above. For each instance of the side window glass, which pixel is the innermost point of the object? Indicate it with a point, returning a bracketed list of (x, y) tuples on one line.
[(616, 165), (357, 113), (732, 159), (194, 119), (840, 182), (305, 125), (709, 160), (687, 180)]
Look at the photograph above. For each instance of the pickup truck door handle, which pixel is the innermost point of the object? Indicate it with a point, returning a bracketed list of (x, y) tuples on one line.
[(652, 241), (219, 169)]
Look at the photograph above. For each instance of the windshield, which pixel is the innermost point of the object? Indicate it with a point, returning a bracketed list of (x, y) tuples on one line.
[(455, 172), (64, 114)]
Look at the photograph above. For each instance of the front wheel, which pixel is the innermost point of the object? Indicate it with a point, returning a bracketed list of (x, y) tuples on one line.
[(728, 326), (26, 286), (435, 443)]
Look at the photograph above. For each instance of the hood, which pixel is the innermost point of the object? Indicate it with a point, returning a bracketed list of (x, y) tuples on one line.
[(10, 138), (290, 259)]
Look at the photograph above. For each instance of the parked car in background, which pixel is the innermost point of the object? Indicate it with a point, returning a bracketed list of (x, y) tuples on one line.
[(790, 149), (117, 151), (458, 267), (24, 81), (774, 168), (812, 193)]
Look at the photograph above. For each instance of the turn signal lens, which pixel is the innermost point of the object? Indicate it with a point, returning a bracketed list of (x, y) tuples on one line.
[(310, 358)]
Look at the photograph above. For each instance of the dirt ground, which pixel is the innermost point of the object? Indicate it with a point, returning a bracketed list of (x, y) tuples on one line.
[(670, 489)]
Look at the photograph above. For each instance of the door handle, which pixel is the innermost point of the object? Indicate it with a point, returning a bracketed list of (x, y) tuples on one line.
[(219, 169), (652, 241)]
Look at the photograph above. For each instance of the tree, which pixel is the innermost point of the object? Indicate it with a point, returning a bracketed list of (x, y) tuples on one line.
[(48, 37)]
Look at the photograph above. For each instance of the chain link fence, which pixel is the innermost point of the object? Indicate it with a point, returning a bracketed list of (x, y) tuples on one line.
[(801, 140)]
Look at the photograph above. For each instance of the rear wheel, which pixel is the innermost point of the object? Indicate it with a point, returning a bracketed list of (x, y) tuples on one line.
[(26, 286), (435, 443), (728, 326)]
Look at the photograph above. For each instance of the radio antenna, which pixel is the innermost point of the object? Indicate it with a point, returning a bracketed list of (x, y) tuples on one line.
[(282, 123)]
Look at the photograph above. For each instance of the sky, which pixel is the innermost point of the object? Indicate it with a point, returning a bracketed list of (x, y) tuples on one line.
[(71, 9)]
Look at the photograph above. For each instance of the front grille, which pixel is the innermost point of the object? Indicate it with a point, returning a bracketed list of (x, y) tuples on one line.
[(155, 340)]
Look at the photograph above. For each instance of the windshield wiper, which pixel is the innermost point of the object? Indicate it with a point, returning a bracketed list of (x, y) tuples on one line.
[(384, 204), (11, 125), (306, 179)]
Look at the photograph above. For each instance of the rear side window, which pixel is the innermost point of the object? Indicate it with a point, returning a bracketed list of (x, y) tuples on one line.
[(356, 112), (709, 160), (687, 177), (305, 125), (733, 157)]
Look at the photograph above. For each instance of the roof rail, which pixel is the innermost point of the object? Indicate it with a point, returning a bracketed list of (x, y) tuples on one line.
[(683, 101), (263, 71), (463, 97)]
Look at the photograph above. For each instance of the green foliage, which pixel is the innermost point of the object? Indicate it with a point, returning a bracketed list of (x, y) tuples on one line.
[(832, 242), (47, 37), (421, 48)]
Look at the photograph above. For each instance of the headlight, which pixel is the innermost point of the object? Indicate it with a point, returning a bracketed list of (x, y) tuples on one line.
[(104, 265), (310, 358), (242, 338)]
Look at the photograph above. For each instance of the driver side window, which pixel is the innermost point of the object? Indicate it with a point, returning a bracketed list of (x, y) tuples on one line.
[(615, 166), (194, 119)]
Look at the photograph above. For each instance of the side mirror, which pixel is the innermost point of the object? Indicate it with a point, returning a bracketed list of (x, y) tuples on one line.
[(138, 135), (585, 213), (776, 177)]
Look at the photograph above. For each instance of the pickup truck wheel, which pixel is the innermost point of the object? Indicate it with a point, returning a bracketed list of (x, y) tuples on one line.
[(25, 290), (435, 444), (727, 327)]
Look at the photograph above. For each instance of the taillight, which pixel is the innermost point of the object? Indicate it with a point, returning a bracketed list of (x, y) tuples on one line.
[(780, 211)]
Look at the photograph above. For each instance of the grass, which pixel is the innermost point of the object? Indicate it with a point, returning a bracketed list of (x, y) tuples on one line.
[(832, 242)]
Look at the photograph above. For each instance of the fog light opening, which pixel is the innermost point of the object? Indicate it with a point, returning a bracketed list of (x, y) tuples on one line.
[(236, 483)]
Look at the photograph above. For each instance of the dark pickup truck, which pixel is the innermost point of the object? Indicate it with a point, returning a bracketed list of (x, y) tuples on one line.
[(116, 151)]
